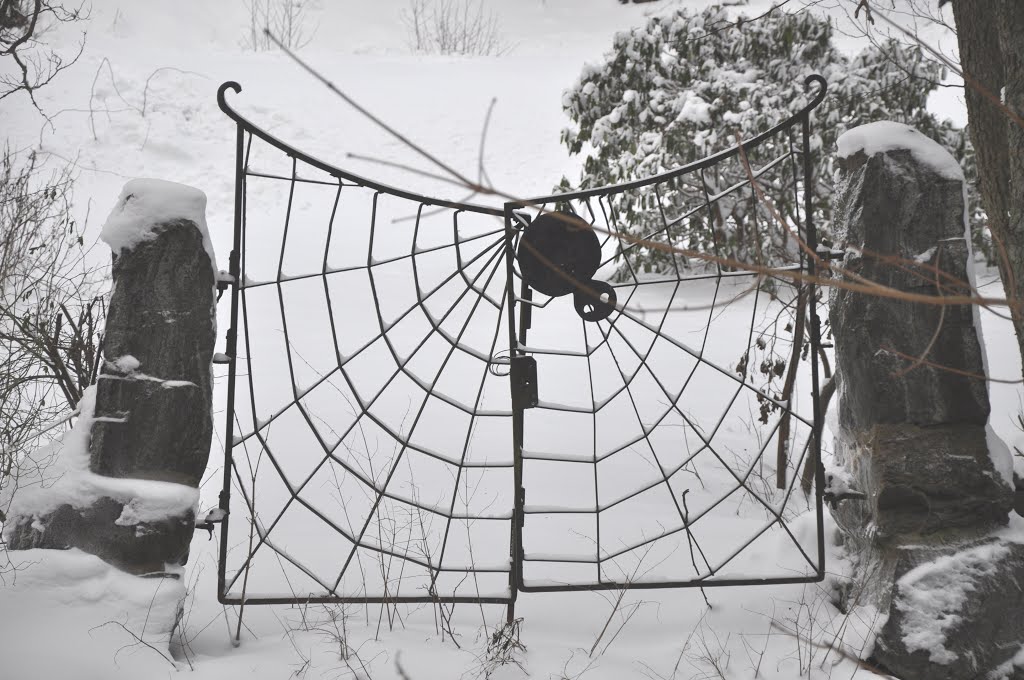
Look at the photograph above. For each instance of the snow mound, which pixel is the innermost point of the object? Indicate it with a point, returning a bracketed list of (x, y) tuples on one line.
[(146, 203), (932, 594), (69, 614), (886, 135), (64, 477), (126, 363)]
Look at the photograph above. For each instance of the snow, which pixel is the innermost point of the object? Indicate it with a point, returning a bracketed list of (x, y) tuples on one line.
[(68, 480), (885, 135), (838, 480), (931, 594), (924, 257), (215, 515), (126, 363), (68, 614), (1006, 670), (137, 375), (50, 612), (549, 509), (695, 109), (998, 451), (145, 204)]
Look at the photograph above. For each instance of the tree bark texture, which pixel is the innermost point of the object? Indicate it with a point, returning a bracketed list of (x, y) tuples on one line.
[(1011, 41), (992, 57)]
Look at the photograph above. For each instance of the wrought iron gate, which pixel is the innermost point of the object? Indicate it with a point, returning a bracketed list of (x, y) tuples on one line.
[(432, 401)]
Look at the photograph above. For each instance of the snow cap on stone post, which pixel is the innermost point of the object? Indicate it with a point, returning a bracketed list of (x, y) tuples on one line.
[(146, 204)]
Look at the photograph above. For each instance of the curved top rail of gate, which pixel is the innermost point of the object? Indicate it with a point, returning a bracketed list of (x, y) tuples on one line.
[(248, 126), (700, 164), (289, 150)]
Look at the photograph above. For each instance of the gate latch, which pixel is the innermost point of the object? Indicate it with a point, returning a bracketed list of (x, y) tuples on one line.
[(214, 516), (524, 382)]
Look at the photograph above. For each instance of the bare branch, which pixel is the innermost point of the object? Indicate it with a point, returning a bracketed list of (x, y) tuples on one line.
[(36, 66)]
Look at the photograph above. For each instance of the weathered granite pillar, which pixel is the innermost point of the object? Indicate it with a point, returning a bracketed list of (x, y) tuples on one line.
[(146, 430), (154, 391), (913, 436)]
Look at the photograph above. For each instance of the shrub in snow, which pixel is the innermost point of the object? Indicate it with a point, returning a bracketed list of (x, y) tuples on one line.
[(453, 27), (51, 312), (681, 88), (285, 19)]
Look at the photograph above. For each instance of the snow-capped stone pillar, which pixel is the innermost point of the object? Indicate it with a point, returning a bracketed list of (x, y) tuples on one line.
[(153, 401), (131, 466), (912, 433)]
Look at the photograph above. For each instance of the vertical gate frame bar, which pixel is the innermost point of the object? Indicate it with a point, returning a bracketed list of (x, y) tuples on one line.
[(812, 293), (515, 576), (232, 352)]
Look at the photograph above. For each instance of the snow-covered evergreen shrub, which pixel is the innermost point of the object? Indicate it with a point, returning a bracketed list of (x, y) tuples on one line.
[(681, 88)]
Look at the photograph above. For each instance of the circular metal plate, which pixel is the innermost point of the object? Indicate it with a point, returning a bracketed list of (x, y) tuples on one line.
[(557, 253), (595, 300)]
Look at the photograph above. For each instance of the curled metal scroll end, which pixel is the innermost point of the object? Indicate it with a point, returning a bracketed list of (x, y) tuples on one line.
[(815, 79), (222, 91)]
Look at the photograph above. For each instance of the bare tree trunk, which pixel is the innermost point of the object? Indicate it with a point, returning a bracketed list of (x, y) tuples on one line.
[(782, 454), (1011, 41), (986, 65)]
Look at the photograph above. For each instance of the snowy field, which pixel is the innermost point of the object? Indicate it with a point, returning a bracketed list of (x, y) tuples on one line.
[(141, 102)]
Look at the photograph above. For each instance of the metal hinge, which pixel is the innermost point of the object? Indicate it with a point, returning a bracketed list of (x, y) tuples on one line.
[(229, 340), (826, 252), (226, 278), (522, 506), (834, 499), (215, 516)]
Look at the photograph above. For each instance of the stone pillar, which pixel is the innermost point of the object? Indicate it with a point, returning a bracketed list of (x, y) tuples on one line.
[(146, 430), (154, 392), (914, 438)]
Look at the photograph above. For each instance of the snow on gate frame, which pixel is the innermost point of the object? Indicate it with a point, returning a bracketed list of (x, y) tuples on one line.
[(479, 256)]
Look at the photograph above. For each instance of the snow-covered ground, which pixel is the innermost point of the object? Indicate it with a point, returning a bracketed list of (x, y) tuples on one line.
[(141, 103)]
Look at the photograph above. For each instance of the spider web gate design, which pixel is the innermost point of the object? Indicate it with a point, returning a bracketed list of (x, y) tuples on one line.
[(438, 402)]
